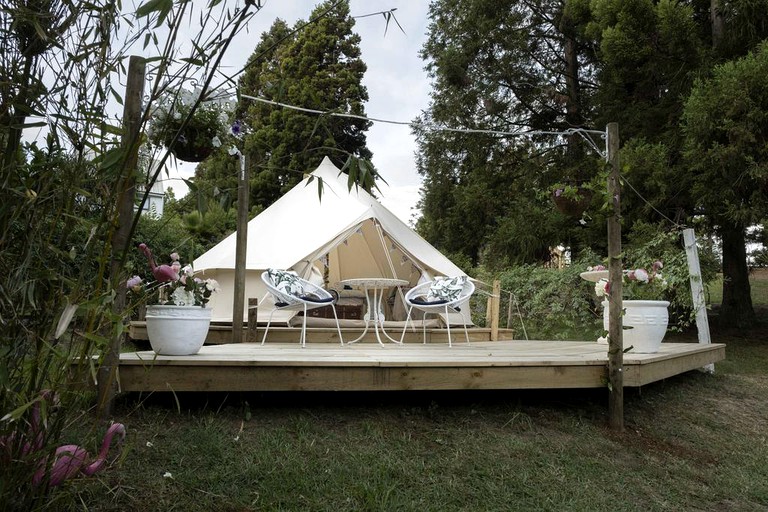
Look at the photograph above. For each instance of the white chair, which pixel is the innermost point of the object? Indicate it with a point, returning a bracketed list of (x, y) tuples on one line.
[(292, 293), (441, 295)]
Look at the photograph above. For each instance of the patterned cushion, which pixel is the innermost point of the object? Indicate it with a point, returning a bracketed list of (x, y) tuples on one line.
[(287, 282), (446, 288)]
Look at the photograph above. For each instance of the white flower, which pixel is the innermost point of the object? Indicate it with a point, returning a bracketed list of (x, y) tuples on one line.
[(212, 285), (182, 297), (167, 474), (601, 287), (641, 275), (216, 142), (150, 445)]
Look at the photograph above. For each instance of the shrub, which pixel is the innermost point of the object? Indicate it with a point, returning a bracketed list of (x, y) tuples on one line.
[(551, 303)]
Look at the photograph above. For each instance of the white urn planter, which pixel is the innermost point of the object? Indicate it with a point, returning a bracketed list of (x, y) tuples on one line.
[(648, 320), (177, 330)]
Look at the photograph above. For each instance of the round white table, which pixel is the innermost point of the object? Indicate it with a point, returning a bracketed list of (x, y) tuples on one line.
[(374, 289)]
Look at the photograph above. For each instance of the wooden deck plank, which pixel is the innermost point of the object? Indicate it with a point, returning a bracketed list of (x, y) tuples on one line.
[(369, 366)]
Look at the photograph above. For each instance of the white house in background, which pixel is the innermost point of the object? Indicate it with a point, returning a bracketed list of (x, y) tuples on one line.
[(155, 202)]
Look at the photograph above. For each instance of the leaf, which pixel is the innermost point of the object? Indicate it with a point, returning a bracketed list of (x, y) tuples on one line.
[(65, 319), (190, 184), (115, 95), (152, 6), (352, 175), (39, 124), (194, 62), (111, 158), (17, 413)]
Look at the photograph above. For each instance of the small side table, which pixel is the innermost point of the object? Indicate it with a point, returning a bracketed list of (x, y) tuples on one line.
[(374, 289)]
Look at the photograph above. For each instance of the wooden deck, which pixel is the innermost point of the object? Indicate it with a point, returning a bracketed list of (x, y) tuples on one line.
[(280, 366)]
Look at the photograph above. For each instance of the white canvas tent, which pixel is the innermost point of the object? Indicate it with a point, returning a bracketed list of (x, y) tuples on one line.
[(342, 235)]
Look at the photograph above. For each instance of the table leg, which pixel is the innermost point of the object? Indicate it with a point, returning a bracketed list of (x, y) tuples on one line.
[(367, 319), (381, 319)]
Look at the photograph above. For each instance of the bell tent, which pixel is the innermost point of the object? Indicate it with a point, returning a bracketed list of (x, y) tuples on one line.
[(341, 234)]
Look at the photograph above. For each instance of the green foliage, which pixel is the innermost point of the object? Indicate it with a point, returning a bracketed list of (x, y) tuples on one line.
[(649, 243), (726, 124), (551, 303), (61, 293), (633, 62), (164, 235), (316, 66), (483, 192)]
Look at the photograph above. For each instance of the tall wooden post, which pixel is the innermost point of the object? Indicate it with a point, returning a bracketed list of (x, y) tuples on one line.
[(107, 374), (615, 324), (495, 305), (241, 247)]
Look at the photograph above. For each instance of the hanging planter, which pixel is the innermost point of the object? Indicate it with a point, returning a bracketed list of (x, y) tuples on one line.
[(191, 135), (572, 200), (191, 145)]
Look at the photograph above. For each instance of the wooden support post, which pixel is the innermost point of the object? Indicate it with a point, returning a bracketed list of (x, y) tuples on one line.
[(697, 291), (615, 305), (510, 311), (253, 310), (134, 90), (241, 247), (495, 305)]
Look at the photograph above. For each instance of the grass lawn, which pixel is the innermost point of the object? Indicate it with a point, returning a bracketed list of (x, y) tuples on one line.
[(693, 442), (758, 283)]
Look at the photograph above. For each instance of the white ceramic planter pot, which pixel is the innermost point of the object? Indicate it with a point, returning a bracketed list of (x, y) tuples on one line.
[(177, 330), (648, 320)]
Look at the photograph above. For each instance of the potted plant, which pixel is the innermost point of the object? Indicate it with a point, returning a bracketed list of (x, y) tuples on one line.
[(645, 315), (177, 316), (191, 135)]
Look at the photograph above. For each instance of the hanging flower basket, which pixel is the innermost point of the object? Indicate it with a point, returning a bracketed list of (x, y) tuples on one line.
[(200, 131), (572, 201), (190, 146)]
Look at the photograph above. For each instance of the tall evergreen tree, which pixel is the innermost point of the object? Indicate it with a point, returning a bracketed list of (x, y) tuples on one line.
[(507, 67), (726, 127), (315, 66), (650, 55)]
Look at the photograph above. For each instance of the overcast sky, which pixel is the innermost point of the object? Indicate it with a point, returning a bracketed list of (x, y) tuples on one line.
[(398, 87)]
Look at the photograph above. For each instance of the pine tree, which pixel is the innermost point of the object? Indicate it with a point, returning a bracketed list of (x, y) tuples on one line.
[(315, 66)]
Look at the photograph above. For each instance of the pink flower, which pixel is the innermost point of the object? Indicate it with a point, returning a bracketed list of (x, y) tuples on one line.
[(657, 265), (174, 256), (642, 275), (133, 283)]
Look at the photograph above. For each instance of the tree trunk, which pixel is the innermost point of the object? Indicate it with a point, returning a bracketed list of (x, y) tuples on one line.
[(736, 310), (718, 23)]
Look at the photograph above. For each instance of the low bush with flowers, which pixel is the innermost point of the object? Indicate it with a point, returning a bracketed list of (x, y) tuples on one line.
[(173, 285), (649, 245), (645, 283)]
